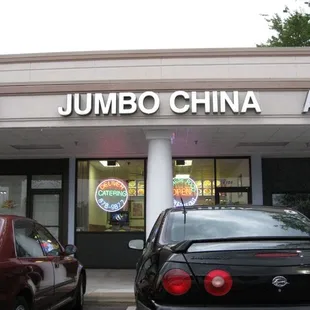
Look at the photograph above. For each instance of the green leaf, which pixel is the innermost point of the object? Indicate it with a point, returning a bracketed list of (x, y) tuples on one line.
[(292, 31)]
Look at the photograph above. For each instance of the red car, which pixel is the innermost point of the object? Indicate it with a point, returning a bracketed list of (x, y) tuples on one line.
[(36, 271)]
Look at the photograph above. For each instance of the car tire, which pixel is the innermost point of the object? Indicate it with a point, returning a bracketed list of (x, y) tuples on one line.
[(79, 295), (21, 304)]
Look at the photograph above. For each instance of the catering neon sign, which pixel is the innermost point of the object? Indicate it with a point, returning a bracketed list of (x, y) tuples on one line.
[(111, 195), (186, 189)]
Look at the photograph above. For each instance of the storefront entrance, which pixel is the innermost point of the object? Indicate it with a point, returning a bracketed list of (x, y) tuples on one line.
[(44, 208), (111, 201), (38, 189), (233, 196)]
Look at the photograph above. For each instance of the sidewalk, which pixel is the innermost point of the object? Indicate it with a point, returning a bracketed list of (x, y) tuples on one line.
[(110, 285)]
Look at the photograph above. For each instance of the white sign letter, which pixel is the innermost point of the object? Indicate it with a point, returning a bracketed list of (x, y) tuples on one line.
[(307, 103), (77, 104), (67, 112), (215, 104), (196, 101), (155, 106), (233, 103), (105, 107), (127, 99), (173, 106), (250, 102)]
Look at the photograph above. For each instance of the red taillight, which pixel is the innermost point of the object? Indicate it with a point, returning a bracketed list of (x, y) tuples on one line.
[(177, 282), (276, 255), (218, 282)]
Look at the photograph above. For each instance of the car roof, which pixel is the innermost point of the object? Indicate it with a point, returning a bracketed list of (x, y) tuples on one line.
[(273, 209)]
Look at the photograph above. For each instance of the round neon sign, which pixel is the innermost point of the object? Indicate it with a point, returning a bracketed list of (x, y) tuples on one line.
[(186, 189), (111, 195)]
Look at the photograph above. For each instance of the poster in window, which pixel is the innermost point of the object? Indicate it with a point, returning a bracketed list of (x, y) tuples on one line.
[(137, 210)]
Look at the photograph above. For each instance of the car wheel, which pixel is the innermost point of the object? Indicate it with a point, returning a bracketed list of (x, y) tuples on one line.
[(79, 295), (21, 304)]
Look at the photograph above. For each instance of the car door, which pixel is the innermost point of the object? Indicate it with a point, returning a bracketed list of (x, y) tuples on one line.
[(38, 271), (65, 266)]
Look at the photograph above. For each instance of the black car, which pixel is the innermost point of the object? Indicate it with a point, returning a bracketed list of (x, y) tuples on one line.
[(225, 257)]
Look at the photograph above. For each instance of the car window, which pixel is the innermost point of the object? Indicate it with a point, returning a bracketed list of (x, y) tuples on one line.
[(27, 242), (212, 224), (155, 228), (49, 244)]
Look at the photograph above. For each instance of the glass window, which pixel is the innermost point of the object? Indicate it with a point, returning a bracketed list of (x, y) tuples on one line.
[(297, 201), (110, 195), (49, 244), (199, 189), (13, 193), (26, 240), (46, 211), (233, 172), (46, 182), (155, 228), (229, 198), (210, 224)]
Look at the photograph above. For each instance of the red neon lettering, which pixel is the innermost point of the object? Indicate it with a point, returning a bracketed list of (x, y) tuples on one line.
[(182, 191)]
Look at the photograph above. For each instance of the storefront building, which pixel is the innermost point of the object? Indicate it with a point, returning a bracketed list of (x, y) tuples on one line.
[(96, 145)]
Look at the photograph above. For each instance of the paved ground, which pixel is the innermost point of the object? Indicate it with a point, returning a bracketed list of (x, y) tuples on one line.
[(110, 281), (110, 286), (108, 307)]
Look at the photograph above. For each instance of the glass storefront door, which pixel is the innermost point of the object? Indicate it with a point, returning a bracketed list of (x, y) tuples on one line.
[(232, 196), (45, 209)]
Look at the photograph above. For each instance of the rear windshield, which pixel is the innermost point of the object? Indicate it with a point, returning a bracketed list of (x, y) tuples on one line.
[(213, 224)]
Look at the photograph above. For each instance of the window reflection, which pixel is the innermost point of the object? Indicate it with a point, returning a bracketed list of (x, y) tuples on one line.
[(233, 172), (13, 193), (110, 195), (297, 201), (230, 172), (201, 171), (233, 223)]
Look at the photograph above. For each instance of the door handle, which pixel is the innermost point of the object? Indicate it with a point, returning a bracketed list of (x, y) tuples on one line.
[(56, 265)]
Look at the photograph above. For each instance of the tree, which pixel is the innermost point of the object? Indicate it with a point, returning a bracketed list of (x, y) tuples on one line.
[(292, 30)]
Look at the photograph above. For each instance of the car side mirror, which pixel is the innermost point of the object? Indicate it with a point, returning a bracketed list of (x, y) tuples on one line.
[(70, 249), (136, 244)]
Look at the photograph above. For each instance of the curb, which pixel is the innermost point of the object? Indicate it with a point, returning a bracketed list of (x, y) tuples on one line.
[(110, 297)]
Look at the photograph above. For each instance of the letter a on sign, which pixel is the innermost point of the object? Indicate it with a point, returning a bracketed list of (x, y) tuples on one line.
[(307, 103)]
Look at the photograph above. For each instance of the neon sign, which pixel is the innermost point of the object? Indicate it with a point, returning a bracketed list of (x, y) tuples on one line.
[(185, 188), (111, 195)]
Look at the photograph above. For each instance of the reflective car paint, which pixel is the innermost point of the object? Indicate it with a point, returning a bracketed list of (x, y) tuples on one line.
[(253, 265), (31, 277)]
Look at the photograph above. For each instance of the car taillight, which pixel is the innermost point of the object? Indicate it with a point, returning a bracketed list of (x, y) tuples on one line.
[(218, 282), (269, 255), (177, 282)]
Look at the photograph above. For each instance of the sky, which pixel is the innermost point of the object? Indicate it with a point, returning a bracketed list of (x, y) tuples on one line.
[(36, 26)]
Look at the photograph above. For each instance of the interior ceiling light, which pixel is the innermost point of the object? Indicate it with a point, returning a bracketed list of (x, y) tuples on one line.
[(182, 176), (109, 163), (37, 147), (262, 144), (182, 162)]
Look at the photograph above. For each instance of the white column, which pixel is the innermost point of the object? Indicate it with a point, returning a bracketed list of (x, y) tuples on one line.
[(159, 191), (71, 202), (257, 180)]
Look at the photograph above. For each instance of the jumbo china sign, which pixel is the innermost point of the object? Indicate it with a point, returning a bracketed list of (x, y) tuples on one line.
[(149, 102)]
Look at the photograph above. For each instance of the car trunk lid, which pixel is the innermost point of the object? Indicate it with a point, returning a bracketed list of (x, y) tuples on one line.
[(262, 271)]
